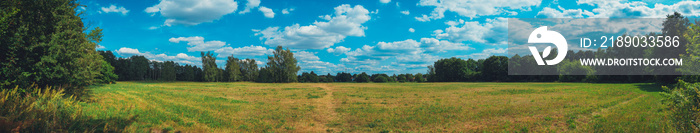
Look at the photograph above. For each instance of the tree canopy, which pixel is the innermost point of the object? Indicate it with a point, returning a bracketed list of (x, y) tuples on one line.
[(45, 43)]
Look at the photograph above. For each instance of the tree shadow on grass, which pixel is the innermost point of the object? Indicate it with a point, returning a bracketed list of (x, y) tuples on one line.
[(650, 87)]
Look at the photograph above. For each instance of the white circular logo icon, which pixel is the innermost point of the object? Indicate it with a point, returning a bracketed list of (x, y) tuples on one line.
[(542, 35)]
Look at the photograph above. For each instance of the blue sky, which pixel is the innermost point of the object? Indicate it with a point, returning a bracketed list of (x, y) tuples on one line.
[(330, 36)]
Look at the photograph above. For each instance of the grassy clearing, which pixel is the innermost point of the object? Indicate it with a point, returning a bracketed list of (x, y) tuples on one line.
[(383, 107)]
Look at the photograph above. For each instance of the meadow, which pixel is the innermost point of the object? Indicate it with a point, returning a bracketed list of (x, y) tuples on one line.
[(382, 107)]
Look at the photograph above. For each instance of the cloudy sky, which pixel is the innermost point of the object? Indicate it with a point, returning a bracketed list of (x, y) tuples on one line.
[(330, 36)]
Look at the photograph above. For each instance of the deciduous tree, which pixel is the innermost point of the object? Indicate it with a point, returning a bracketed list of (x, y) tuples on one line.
[(233, 69)]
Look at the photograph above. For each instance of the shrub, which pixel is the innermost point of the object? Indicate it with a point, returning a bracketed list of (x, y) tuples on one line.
[(380, 79), (48, 110), (684, 103)]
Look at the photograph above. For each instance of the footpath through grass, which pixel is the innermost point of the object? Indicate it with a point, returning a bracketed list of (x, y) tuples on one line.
[(382, 107)]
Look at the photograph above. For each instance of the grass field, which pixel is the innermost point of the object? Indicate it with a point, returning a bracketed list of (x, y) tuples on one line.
[(383, 107)]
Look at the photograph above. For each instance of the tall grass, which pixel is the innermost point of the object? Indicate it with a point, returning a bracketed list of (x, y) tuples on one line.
[(49, 110)]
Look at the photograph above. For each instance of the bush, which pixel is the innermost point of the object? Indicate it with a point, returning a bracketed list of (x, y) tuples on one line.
[(107, 75), (380, 79), (48, 110), (684, 103)]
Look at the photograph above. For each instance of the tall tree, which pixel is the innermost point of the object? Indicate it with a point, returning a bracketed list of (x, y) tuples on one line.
[(233, 69), (168, 73), (674, 25), (209, 64), (121, 68), (430, 74), (221, 75), (283, 65), (265, 76), (108, 56), (138, 67), (495, 68), (249, 70), (154, 70)]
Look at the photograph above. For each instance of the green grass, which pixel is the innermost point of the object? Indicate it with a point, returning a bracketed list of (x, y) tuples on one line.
[(383, 107)]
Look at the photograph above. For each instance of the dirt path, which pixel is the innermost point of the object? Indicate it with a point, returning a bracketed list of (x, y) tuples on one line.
[(607, 110), (326, 110)]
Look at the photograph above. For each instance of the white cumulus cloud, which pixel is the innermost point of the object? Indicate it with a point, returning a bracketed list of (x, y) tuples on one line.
[(346, 21), (114, 9), (124, 51), (623, 9), (474, 8), (247, 51), (310, 62), (192, 12), (267, 12), (287, 10), (564, 13), (197, 43), (250, 5), (493, 31), (338, 50), (181, 58), (382, 51), (306, 56)]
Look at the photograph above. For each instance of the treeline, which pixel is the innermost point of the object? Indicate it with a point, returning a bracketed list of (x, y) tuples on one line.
[(360, 78), (136, 68), (281, 68)]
